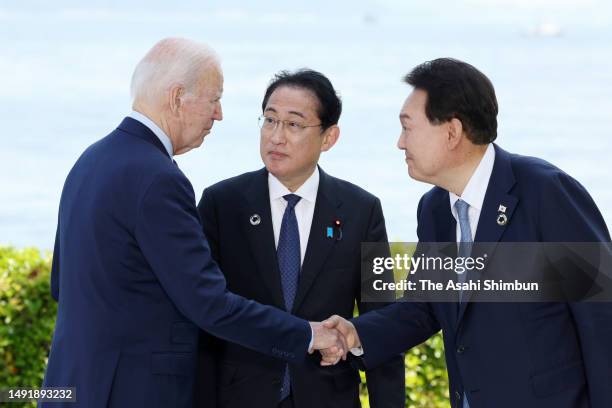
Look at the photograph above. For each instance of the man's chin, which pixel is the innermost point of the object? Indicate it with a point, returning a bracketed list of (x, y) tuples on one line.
[(275, 168), (414, 175)]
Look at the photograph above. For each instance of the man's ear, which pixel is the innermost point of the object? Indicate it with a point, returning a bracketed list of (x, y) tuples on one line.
[(455, 133), (176, 102), (330, 137)]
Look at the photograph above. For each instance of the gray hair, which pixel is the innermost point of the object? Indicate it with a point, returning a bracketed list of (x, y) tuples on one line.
[(171, 61)]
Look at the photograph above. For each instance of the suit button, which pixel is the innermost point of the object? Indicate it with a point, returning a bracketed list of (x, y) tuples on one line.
[(457, 396), (460, 349)]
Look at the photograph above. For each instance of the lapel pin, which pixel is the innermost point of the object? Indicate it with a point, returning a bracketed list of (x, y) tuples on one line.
[(502, 219), (255, 219), (335, 231)]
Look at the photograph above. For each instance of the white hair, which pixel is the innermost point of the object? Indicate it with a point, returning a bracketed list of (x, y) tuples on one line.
[(171, 61)]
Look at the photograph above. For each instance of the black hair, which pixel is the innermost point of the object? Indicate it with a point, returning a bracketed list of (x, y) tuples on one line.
[(330, 105), (456, 89)]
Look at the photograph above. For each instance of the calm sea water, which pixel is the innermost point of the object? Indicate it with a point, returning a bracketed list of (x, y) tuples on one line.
[(65, 72)]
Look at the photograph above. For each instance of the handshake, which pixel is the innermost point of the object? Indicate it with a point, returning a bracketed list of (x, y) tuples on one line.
[(334, 338)]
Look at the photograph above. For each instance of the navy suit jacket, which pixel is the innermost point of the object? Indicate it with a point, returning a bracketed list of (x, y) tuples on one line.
[(134, 278), (330, 283), (544, 355)]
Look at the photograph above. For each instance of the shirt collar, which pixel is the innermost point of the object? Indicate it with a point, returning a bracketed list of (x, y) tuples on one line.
[(161, 135), (476, 188), (308, 190)]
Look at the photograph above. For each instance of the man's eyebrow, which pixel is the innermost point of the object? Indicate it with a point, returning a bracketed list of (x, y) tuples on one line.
[(297, 113), (404, 116), (300, 114)]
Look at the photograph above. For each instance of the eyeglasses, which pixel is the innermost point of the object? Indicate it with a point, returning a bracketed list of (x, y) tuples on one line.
[(269, 124)]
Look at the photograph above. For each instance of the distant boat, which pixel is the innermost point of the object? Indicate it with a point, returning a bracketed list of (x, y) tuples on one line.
[(546, 29)]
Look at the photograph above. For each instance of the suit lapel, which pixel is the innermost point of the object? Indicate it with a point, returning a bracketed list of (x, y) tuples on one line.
[(261, 236), (327, 210), (501, 182), (489, 232)]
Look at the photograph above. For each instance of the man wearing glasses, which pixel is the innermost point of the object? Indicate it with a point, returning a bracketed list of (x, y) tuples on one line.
[(289, 235)]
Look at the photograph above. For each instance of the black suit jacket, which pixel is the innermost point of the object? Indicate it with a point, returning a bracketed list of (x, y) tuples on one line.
[(330, 283)]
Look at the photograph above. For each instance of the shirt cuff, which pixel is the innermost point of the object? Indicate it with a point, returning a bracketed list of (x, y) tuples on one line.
[(357, 351), (311, 340)]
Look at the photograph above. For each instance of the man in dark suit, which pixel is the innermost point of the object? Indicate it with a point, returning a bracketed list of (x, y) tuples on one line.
[(538, 354), (132, 270), (289, 235)]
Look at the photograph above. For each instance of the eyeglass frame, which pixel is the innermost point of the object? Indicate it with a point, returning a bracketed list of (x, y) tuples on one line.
[(261, 119)]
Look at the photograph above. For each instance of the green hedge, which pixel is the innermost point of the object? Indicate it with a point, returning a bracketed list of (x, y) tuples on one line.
[(27, 316)]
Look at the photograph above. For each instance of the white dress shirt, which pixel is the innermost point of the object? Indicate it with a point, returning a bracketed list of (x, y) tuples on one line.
[(304, 209), (161, 135), (474, 192)]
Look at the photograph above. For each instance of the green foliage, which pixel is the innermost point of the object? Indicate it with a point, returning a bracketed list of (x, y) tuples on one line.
[(426, 376), (27, 317)]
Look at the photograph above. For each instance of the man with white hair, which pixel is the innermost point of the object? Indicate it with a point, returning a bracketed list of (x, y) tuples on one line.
[(132, 271)]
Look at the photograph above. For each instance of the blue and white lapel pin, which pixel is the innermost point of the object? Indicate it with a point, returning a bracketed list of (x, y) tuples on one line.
[(502, 218)]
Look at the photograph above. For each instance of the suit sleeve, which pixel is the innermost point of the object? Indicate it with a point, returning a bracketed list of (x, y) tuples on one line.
[(582, 222), (395, 328), (207, 210), (55, 266), (386, 383), (170, 236), (208, 345)]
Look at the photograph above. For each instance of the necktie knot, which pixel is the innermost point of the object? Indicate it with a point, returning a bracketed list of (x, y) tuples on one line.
[(464, 220), (292, 200), (462, 209)]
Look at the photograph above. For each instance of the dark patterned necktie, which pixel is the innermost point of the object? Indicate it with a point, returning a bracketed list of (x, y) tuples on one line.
[(289, 264)]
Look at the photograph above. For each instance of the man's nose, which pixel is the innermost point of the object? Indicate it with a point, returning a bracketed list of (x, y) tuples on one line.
[(401, 142), (218, 115), (278, 134)]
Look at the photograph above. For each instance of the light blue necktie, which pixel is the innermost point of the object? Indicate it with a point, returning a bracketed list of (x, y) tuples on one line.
[(289, 264), (465, 249), (465, 244)]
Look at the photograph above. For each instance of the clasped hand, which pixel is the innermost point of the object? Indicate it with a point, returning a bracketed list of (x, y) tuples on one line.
[(334, 338)]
